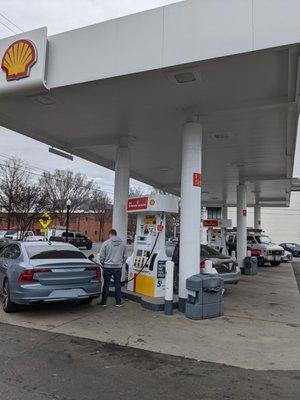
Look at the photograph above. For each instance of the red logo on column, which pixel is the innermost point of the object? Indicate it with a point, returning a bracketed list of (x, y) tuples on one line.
[(244, 213), (197, 179)]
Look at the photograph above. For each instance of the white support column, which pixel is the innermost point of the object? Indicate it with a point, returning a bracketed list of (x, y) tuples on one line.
[(190, 218), (241, 245), (122, 172), (257, 216), (223, 230), (224, 212)]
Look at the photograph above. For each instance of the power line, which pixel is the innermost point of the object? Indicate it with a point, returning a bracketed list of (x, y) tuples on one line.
[(11, 22), (7, 27)]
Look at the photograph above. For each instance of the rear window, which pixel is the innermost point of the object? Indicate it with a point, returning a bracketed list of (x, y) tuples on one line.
[(207, 251), (53, 252)]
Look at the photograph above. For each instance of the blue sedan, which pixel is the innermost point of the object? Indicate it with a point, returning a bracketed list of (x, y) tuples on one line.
[(43, 272)]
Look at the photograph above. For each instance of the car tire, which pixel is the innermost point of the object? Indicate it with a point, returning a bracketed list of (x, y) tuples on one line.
[(275, 263), (85, 301), (7, 305)]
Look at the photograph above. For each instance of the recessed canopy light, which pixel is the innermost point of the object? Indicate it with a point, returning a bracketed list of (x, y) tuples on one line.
[(222, 135), (184, 77)]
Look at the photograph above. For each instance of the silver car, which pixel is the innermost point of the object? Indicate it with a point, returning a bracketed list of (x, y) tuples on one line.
[(37, 272)]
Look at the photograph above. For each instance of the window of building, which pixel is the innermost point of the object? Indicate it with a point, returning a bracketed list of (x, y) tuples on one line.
[(214, 213), (95, 232)]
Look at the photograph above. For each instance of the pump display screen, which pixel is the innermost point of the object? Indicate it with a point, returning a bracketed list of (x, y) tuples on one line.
[(161, 269)]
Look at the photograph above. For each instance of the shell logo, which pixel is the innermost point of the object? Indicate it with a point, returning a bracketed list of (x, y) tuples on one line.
[(18, 59), (151, 202)]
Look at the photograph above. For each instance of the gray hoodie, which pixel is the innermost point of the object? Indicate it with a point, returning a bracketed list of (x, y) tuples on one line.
[(112, 253)]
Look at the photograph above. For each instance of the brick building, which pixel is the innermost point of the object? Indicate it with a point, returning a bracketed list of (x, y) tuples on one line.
[(91, 224)]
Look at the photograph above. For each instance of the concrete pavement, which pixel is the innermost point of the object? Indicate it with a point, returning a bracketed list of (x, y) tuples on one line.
[(39, 365), (260, 329)]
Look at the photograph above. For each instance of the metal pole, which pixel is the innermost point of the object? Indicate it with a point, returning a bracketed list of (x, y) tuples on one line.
[(169, 288), (67, 224)]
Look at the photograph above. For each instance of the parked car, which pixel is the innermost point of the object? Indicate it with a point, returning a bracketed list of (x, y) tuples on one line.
[(293, 248), (78, 239), (27, 235), (226, 267), (269, 251), (43, 272), (287, 256)]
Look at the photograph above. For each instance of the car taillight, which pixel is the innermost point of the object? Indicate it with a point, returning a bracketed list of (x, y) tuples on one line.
[(27, 276), (97, 271)]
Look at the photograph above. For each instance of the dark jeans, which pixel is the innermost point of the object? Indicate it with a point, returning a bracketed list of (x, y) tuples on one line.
[(108, 273)]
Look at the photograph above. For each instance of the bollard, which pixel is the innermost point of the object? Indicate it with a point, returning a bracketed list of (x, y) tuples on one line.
[(248, 253), (209, 269), (169, 288)]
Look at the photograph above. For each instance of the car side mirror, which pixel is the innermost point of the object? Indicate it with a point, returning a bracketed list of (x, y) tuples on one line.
[(91, 257)]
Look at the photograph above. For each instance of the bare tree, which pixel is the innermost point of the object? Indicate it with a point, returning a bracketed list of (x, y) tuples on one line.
[(13, 177), (30, 202), (101, 204), (63, 185)]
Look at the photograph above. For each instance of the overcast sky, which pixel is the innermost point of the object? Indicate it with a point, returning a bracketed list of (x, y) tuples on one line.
[(59, 16)]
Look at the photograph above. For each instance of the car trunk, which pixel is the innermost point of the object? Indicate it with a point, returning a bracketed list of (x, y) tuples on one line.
[(63, 273), (223, 265)]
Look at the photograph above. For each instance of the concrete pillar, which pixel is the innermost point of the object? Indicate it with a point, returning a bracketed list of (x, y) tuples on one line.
[(241, 246), (257, 216), (189, 262), (121, 190), (224, 212), (223, 231)]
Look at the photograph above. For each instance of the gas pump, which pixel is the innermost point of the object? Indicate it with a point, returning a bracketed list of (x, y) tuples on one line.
[(147, 264), (216, 233)]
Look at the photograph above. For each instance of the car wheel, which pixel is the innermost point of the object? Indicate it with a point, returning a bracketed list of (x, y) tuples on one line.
[(85, 301), (261, 263), (7, 304), (275, 263)]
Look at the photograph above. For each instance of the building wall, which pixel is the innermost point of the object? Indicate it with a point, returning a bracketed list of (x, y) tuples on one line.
[(87, 223), (281, 224)]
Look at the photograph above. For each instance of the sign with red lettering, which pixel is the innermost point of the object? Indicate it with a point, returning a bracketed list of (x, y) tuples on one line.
[(197, 179), (137, 203), (209, 223), (244, 213)]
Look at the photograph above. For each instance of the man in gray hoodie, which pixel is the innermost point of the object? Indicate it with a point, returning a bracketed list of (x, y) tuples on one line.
[(112, 258)]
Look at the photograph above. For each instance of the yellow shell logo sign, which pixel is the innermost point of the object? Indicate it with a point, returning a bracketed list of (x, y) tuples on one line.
[(18, 59)]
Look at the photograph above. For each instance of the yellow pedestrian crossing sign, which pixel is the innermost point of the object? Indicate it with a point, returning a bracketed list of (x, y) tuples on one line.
[(45, 221)]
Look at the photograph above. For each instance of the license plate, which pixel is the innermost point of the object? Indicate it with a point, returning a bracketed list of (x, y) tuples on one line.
[(67, 269), (67, 293)]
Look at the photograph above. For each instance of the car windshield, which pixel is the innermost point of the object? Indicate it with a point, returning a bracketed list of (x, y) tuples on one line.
[(263, 239), (53, 252)]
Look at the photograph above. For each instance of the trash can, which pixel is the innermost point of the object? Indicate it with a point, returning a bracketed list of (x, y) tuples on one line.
[(250, 266), (205, 296)]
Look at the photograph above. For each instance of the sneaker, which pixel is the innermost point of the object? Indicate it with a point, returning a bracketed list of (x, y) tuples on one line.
[(101, 304), (119, 305)]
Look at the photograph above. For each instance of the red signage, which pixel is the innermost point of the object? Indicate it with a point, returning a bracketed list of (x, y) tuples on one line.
[(197, 179), (244, 213), (160, 228), (208, 223), (137, 203)]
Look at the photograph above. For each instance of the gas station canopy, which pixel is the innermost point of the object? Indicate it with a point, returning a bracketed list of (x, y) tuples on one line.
[(138, 79)]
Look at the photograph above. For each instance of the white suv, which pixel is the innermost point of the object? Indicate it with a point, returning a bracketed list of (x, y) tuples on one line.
[(269, 251)]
